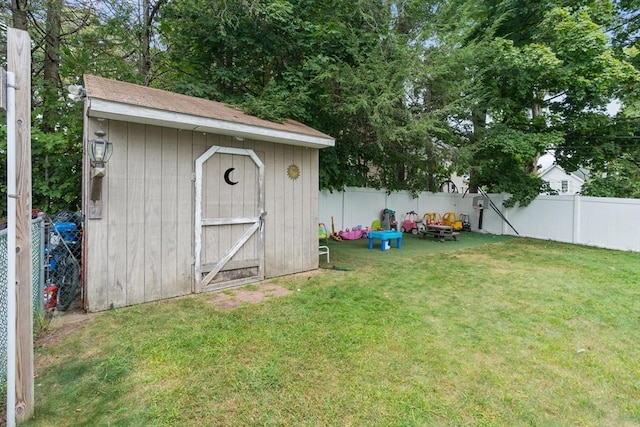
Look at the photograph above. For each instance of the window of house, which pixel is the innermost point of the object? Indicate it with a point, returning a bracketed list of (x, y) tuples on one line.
[(565, 186)]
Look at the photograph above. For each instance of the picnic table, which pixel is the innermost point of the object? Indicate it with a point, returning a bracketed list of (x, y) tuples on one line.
[(439, 231)]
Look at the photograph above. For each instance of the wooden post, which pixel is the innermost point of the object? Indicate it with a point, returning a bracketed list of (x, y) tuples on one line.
[(19, 62)]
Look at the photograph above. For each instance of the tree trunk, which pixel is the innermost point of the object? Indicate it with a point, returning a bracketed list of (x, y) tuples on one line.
[(536, 111), (145, 48), (52, 43), (479, 120), (150, 11), (52, 81), (19, 12), (52, 64)]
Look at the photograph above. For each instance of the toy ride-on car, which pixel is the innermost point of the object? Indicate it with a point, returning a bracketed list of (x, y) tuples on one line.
[(411, 223), (450, 219)]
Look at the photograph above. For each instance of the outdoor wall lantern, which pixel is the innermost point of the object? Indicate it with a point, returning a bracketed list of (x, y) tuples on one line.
[(100, 151)]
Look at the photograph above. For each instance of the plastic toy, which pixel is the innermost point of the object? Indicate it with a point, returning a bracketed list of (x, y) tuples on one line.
[(450, 219), (411, 223), (353, 234), (334, 235), (432, 218), (388, 218), (323, 235), (466, 223)]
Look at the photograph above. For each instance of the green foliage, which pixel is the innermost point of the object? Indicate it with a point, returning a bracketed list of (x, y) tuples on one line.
[(105, 43), (56, 162), (276, 103), (56, 170), (342, 67), (411, 91), (544, 74), (503, 172), (617, 178), (97, 39)]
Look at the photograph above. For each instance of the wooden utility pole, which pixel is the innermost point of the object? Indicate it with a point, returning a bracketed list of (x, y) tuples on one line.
[(19, 63)]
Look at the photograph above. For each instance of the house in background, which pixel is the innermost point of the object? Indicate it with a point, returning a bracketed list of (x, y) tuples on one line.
[(565, 183)]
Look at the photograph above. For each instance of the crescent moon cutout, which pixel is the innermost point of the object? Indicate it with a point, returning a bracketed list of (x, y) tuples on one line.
[(227, 175)]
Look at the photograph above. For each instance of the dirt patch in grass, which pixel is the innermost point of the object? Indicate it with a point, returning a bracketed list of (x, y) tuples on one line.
[(60, 327), (258, 292), (253, 294)]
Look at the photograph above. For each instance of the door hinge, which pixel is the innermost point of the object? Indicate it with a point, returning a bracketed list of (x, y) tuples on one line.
[(193, 177)]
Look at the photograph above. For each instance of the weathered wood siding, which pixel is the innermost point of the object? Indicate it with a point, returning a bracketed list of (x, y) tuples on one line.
[(142, 249)]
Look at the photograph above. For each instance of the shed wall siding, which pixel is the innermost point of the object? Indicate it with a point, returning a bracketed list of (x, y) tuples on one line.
[(142, 248)]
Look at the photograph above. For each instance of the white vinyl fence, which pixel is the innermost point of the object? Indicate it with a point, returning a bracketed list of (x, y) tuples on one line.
[(595, 221)]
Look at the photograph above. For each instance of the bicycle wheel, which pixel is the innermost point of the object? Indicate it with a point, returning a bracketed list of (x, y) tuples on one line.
[(448, 187), (68, 283)]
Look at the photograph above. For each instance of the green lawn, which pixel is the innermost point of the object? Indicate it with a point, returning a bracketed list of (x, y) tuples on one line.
[(488, 330)]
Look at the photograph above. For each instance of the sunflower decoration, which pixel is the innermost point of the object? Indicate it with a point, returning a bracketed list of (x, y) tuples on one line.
[(293, 172)]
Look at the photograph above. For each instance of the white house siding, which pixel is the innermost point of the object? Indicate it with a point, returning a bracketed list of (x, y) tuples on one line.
[(142, 249), (555, 175)]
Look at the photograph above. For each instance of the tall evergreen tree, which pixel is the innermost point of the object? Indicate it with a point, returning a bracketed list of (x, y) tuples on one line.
[(71, 38)]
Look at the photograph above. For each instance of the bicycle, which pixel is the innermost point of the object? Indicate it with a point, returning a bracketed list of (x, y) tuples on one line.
[(63, 265)]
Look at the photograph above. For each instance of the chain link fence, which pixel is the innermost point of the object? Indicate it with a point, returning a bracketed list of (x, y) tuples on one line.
[(46, 237)]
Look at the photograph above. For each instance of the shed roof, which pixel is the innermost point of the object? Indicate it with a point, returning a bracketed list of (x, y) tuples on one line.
[(111, 99)]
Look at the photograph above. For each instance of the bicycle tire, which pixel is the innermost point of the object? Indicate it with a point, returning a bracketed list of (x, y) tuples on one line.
[(448, 187), (68, 283)]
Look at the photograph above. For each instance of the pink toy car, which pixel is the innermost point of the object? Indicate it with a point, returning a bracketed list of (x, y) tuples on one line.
[(411, 223), (355, 233)]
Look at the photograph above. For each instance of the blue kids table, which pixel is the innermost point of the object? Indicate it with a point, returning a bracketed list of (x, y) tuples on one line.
[(385, 236)]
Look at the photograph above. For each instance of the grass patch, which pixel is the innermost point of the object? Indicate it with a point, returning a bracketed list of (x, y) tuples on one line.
[(485, 331)]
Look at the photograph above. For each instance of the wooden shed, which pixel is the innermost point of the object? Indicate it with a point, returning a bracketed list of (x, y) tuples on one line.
[(196, 196)]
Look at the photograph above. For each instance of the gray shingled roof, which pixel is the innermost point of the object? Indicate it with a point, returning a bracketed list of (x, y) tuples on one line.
[(133, 96)]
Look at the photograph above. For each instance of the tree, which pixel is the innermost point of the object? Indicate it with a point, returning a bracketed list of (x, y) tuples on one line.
[(544, 73), (611, 150), (355, 70), (70, 39), (411, 90), (19, 13)]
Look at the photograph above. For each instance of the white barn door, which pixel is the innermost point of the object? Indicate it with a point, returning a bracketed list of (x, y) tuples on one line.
[(229, 216)]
